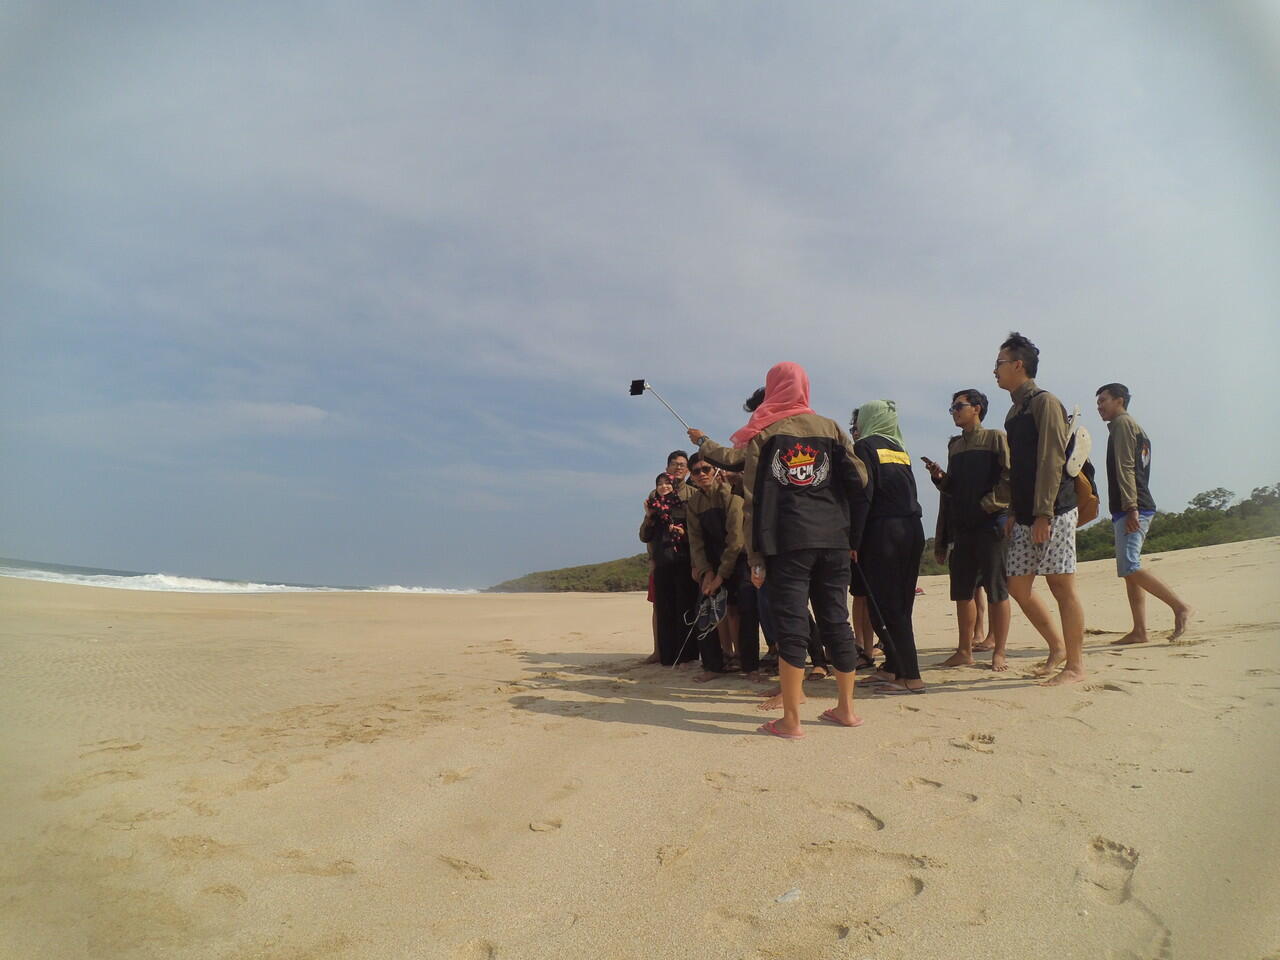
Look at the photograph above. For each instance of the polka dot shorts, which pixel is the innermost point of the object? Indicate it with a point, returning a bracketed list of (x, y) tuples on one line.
[(1055, 555)]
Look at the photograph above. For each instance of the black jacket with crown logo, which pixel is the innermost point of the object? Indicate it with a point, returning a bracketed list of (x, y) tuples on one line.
[(803, 487)]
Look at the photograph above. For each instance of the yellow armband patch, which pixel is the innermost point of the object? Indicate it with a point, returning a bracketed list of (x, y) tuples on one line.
[(894, 456)]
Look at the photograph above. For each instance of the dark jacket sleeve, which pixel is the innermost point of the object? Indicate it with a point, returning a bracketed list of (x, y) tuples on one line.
[(859, 487)]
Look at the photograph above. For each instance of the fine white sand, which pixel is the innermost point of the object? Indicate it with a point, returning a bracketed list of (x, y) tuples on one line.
[(378, 776)]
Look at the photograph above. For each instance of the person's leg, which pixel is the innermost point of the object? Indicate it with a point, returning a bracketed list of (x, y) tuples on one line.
[(965, 613), (817, 654), (1033, 608), (1022, 558), (1137, 610), (711, 655), (983, 634), (1147, 581), (862, 628), (1063, 587), (963, 575), (828, 588), (1001, 614), (748, 629), (687, 594), (665, 613), (992, 583), (908, 540), (787, 576)]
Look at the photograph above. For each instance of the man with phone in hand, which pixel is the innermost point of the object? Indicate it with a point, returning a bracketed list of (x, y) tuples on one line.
[(975, 494)]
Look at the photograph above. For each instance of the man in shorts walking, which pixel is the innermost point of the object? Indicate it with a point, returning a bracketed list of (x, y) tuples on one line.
[(975, 492), (1131, 505), (1041, 529)]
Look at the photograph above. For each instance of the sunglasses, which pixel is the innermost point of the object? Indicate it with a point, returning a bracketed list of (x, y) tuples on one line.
[(958, 406), (698, 470)]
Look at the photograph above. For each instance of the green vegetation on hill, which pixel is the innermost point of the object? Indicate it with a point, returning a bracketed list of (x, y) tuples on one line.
[(613, 576), (1208, 519)]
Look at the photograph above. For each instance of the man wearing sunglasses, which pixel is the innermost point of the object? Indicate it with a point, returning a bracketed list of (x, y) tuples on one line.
[(975, 494)]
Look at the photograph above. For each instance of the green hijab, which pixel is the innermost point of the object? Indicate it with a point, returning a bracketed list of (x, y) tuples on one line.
[(879, 418)]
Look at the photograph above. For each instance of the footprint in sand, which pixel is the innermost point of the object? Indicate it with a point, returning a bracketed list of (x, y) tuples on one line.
[(468, 870), (978, 742), (1108, 687), (474, 950), (670, 853), (227, 891), (718, 780), (195, 847), (446, 777), (854, 813), (113, 747), (926, 785), (299, 861), (546, 826), (1108, 872), (74, 786)]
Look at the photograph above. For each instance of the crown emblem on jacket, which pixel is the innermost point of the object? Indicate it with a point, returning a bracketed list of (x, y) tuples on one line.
[(801, 466), (798, 457)]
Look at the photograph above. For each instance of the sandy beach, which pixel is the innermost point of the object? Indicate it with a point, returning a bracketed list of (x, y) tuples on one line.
[(306, 776)]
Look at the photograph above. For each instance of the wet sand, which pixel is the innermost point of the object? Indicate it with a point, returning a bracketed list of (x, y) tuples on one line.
[(300, 776)]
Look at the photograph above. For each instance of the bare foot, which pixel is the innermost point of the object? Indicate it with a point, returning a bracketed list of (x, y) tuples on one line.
[(706, 676), (882, 677), (958, 659), (1046, 667), (1064, 677), (1133, 636), (1180, 619), (983, 645), (652, 658), (774, 691), (775, 702), (999, 663)]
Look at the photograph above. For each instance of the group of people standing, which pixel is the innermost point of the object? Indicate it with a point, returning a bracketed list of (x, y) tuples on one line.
[(782, 524)]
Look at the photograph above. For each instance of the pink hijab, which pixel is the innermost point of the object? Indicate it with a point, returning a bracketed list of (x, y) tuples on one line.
[(786, 394)]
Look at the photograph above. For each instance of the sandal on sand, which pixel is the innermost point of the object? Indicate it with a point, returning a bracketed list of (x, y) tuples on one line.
[(830, 717), (815, 675), (895, 689), (770, 727), (864, 662)]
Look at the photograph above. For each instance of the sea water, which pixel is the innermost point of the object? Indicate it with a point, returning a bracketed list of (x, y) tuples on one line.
[(132, 580)]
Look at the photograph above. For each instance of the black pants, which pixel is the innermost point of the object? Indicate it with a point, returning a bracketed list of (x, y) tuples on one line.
[(749, 622), (675, 596), (821, 577), (890, 562)]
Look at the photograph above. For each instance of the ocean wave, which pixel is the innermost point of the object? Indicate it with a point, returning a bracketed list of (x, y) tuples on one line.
[(120, 580)]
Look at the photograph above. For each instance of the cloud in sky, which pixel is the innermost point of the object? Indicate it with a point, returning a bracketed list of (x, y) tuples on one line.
[(351, 295)]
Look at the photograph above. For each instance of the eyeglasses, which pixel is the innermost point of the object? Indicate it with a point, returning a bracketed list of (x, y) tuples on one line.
[(698, 470), (957, 407), (999, 361)]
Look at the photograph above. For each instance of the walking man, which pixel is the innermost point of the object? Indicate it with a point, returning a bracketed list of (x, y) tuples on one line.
[(1132, 507), (1041, 528)]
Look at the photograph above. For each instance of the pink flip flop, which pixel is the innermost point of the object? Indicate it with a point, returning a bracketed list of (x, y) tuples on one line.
[(830, 717), (769, 727)]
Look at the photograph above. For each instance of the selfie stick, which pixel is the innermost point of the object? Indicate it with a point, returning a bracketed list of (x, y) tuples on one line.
[(640, 386)]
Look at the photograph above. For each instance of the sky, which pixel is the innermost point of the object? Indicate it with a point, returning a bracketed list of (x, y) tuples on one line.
[(351, 293)]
